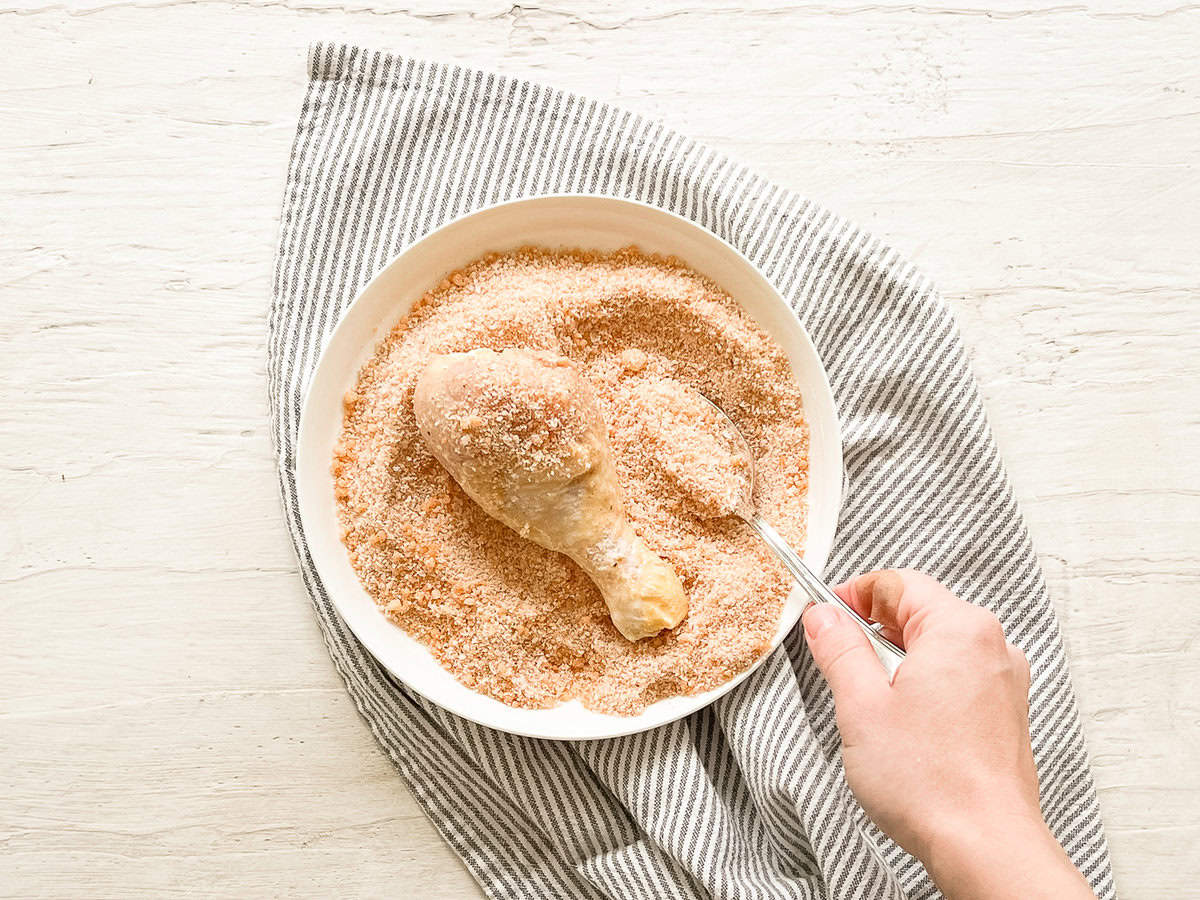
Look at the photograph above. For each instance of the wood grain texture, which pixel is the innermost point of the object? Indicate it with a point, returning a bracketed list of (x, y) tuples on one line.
[(170, 720)]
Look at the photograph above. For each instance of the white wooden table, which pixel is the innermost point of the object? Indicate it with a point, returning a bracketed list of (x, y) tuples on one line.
[(170, 720)]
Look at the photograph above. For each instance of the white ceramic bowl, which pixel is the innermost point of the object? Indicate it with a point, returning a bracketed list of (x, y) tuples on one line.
[(592, 222)]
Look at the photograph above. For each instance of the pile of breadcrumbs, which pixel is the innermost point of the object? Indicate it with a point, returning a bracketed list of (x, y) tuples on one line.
[(521, 623)]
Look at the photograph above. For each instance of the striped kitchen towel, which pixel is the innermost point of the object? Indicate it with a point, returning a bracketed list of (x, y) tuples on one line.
[(746, 798)]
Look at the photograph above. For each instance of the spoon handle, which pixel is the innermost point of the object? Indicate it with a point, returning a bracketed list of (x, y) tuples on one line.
[(889, 654)]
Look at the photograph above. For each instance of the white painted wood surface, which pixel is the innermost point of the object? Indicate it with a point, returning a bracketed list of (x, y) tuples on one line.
[(170, 721)]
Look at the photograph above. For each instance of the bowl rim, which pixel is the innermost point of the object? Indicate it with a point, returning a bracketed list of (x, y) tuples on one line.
[(816, 557)]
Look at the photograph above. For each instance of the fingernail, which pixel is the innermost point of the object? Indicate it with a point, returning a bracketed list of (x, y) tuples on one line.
[(818, 618), (886, 588), (864, 590), (879, 592)]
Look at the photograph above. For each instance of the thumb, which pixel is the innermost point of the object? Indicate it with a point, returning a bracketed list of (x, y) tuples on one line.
[(844, 656)]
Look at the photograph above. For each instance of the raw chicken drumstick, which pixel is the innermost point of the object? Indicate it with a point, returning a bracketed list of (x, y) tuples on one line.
[(522, 433)]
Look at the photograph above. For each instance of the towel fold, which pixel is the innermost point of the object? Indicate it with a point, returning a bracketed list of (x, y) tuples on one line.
[(746, 798)]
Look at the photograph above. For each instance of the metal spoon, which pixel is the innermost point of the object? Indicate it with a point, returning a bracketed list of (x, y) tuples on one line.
[(742, 506)]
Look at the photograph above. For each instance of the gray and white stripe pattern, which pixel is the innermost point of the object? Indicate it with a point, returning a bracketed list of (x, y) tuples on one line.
[(745, 799)]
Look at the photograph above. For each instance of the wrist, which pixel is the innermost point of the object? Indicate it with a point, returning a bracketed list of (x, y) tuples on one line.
[(1006, 856)]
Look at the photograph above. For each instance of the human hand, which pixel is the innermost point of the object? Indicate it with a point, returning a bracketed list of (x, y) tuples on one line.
[(940, 758)]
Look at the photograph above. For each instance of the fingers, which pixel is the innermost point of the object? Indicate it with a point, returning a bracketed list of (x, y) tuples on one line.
[(845, 657), (902, 600), (858, 593)]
